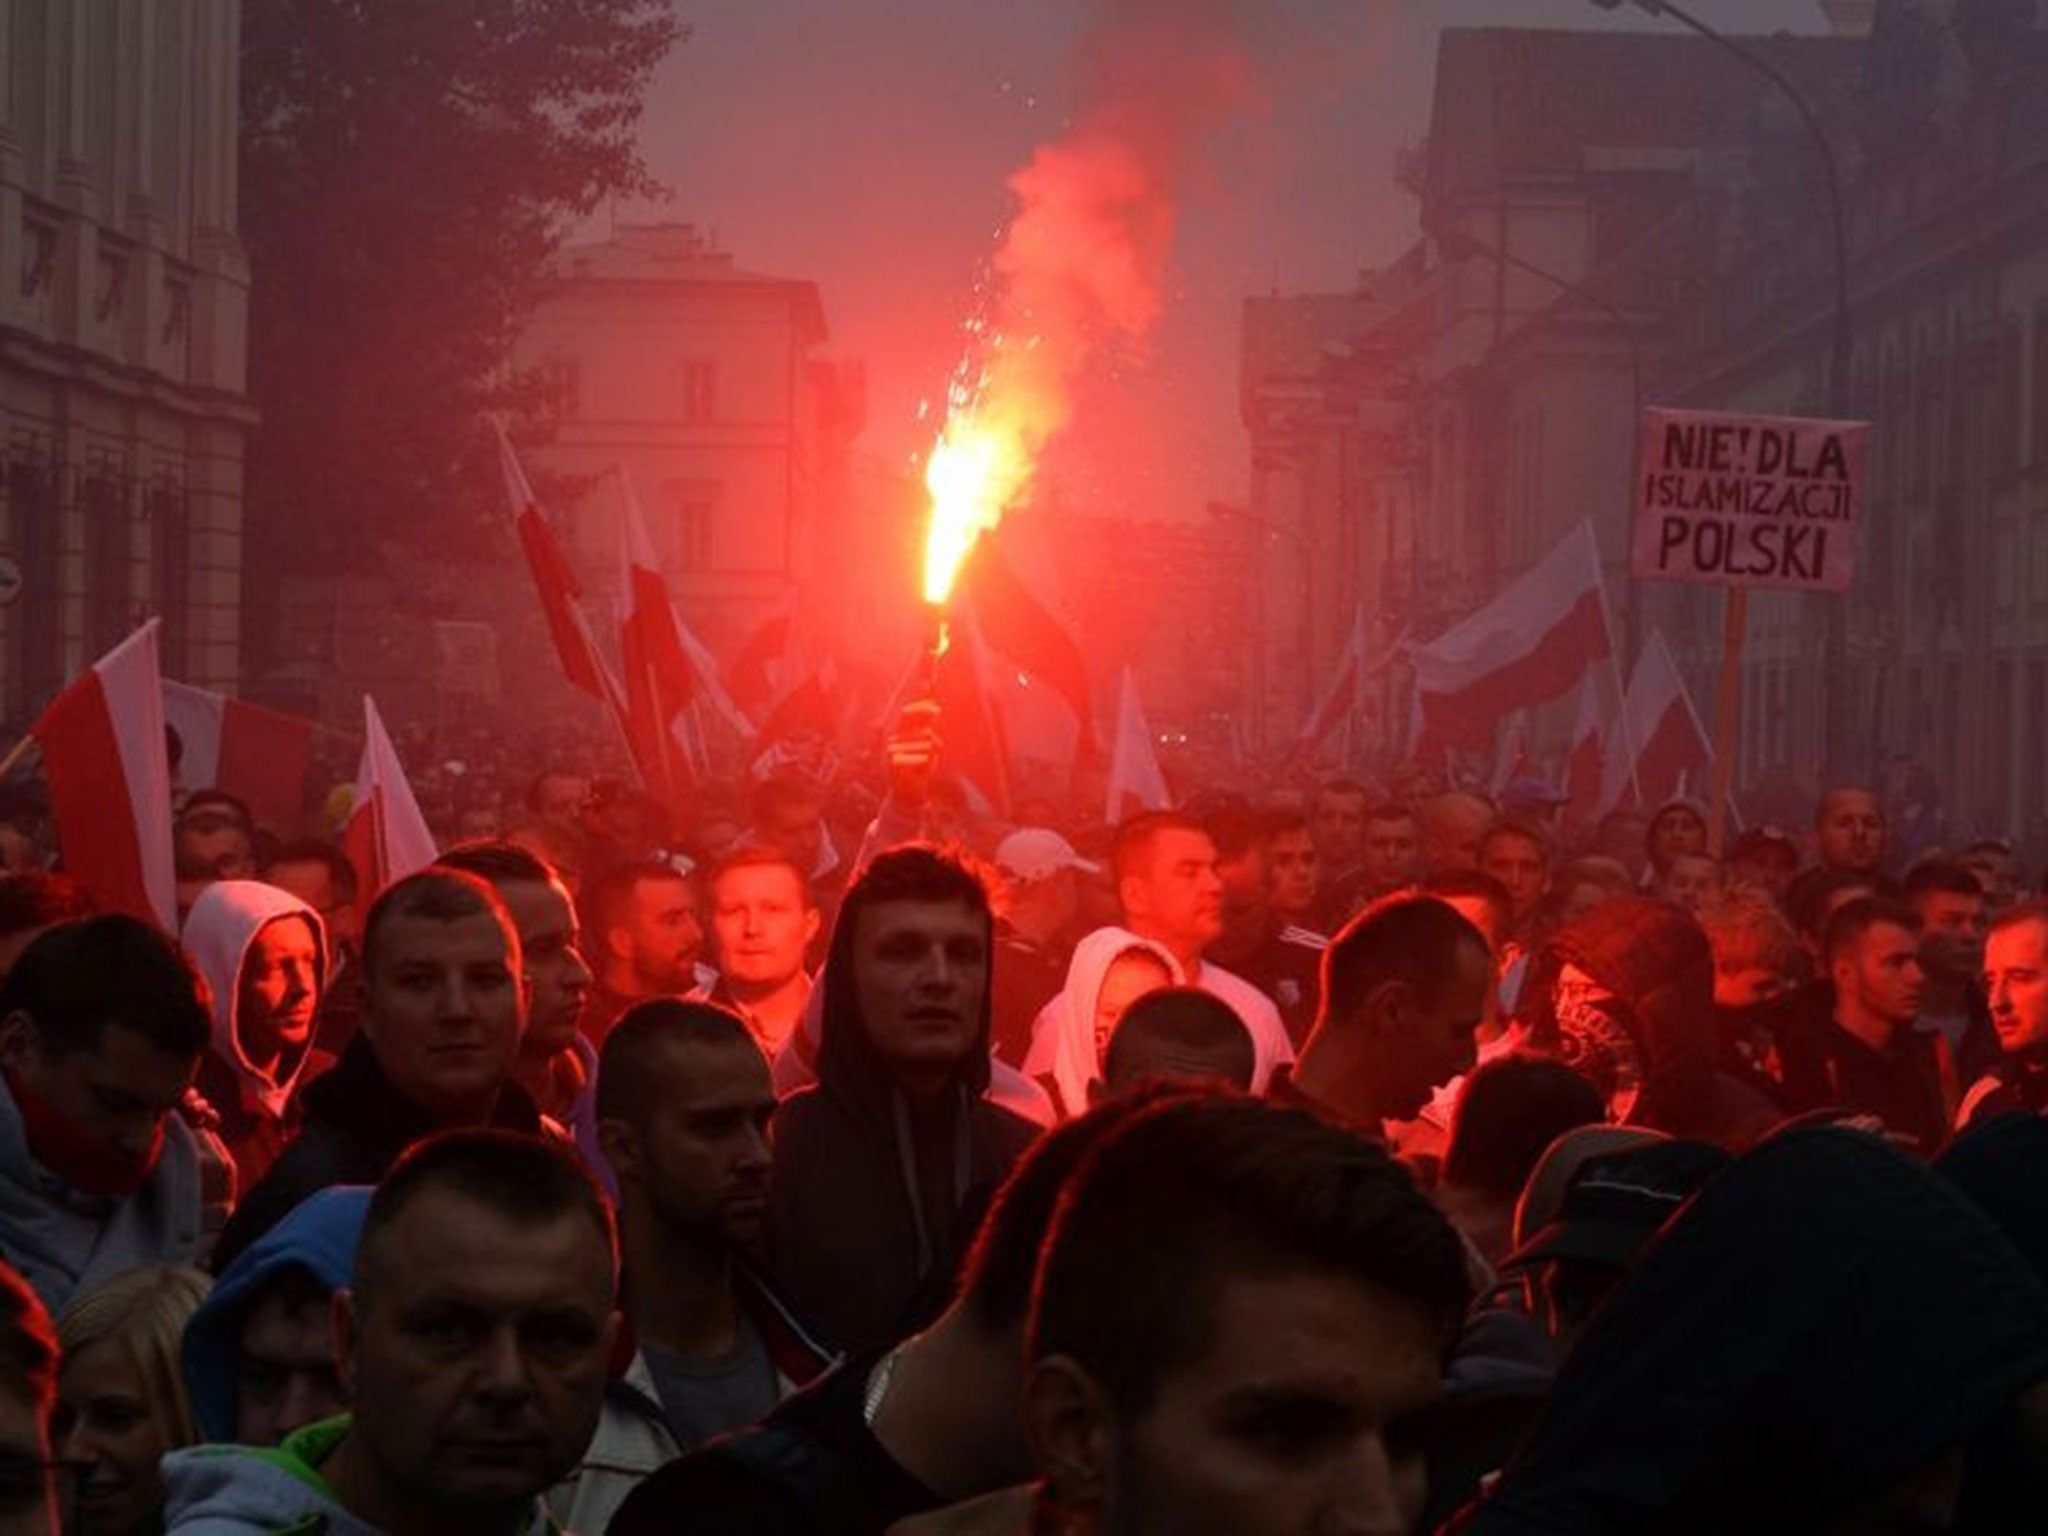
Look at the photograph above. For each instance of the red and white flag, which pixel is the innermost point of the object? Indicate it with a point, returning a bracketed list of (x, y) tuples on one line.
[(1512, 760), (1534, 641), (1344, 698), (385, 836), (1585, 768), (1028, 643), (109, 777), (258, 755), (1136, 782), (1660, 724), (659, 678), (555, 579)]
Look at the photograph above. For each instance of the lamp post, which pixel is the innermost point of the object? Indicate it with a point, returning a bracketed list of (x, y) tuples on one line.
[(1728, 703)]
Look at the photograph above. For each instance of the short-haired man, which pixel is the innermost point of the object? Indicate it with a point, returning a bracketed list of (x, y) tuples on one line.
[(1517, 854), (886, 1437), (763, 923), (1290, 859), (1850, 831), (1764, 859), (214, 838), (1390, 857), (1991, 860), (684, 1106), (1405, 989), (473, 1347), (102, 1026), (644, 927), (2016, 979), (1953, 916), (1171, 893), (1176, 1035), (263, 954), (320, 875), (879, 1166), (1210, 1264), (258, 1355), (1452, 824), (1336, 817), (1872, 1057), (789, 814), (445, 1007), (1284, 962), (556, 1065)]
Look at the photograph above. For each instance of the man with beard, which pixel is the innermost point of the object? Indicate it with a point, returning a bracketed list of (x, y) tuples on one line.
[(683, 1113), (1850, 832), (646, 930)]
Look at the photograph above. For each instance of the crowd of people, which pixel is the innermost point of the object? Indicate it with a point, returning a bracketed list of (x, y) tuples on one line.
[(840, 1158)]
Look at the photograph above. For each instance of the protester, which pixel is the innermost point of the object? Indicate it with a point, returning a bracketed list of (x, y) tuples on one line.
[(1208, 1266), (1953, 914), (1872, 1058), (1452, 825), (1991, 861), (258, 1354), (1517, 854), (1764, 859), (2016, 977), (684, 1106), (214, 838), (1112, 968), (1678, 829), (1770, 1410), (102, 1027), (1034, 931), (891, 1434), (1171, 894), (1405, 988), (120, 1402), (28, 1400), (1582, 885), (1811, 902), (1758, 968), (32, 902), (1694, 882), (445, 1011), (878, 1167), (1850, 832), (1291, 867), (1283, 962), (556, 1064), (1508, 1111), (320, 875), (1390, 856), (1176, 1035), (763, 923), (1337, 822), (643, 924), (789, 814), (474, 1340), (263, 956)]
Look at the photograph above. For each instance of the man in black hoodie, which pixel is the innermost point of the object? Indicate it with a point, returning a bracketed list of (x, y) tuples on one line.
[(881, 1169)]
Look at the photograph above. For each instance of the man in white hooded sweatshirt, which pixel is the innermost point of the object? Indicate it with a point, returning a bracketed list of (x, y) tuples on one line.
[(263, 953)]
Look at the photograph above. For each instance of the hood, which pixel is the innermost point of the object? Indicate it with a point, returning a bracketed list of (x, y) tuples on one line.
[(318, 1236), (219, 1489), (1654, 958), (1824, 1317), (1076, 1063), (223, 923), (848, 1067)]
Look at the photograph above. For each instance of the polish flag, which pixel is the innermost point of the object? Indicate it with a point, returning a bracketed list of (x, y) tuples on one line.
[(560, 592), (258, 755), (659, 678), (385, 836), (1136, 782), (976, 748), (1584, 768), (1664, 729), (1021, 630), (1512, 760), (109, 777), (1531, 643)]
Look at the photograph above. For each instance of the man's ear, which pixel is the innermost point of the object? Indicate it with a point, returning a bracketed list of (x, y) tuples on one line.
[(1072, 1437), (618, 943), (1388, 1010), (620, 1145), (341, 1321), (16, 1038)]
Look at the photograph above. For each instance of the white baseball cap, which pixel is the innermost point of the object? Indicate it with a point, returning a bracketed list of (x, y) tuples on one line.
[(1037, 853)]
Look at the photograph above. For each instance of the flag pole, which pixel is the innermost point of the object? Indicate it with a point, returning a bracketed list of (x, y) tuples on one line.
[(16, 753), (1628, 735), (1727, 714)]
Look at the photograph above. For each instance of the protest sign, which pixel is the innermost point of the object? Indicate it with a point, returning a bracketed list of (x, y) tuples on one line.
[(1748, 501)]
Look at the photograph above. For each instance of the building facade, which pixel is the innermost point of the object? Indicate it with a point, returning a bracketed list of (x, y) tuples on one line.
[(123, 404)]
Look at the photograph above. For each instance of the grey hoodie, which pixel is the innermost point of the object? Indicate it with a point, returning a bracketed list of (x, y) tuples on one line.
[(242, 1490)]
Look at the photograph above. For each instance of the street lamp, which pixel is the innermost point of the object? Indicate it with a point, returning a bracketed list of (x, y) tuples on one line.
[(1835, 723)]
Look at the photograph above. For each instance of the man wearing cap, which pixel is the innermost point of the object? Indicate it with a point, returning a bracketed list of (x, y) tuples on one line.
[(1765, 859), (1041, 878)]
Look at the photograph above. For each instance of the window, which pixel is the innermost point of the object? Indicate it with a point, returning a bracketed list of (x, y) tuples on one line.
[(691, 506)]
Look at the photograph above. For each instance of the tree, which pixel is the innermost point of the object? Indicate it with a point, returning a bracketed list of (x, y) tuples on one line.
[(407, 170)]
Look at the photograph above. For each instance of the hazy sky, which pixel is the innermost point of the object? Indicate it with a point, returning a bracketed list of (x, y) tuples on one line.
[(864, 144)]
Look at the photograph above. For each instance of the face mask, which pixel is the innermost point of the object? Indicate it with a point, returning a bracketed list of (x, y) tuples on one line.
[(1594, 1039), (86, 1163)]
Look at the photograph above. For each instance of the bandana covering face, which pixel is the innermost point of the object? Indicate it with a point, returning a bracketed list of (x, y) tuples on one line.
[(87, 1163), (1593, 1038)]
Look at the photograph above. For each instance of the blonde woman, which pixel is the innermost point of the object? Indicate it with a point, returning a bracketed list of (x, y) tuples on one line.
[(120, 1400)]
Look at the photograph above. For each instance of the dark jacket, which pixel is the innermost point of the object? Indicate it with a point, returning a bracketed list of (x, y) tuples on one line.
[(857, 1235), (356, 1124), (1824, 1318), (1655, 960)]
